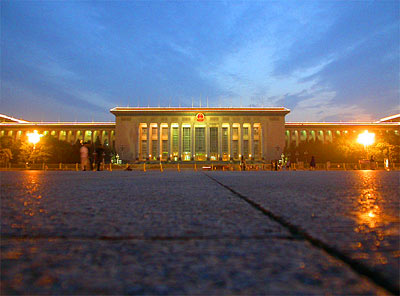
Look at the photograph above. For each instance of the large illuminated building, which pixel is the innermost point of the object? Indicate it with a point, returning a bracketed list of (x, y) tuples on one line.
[(199, 134)]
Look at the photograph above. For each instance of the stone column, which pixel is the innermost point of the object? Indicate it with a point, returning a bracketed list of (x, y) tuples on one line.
[(139, 151), (180, 139), (159, 140), (241, 148), (251, 142), (169, 140), (261, 140), (230, 139), (219, 141), (148, 139), (207, 135), (192, 141)]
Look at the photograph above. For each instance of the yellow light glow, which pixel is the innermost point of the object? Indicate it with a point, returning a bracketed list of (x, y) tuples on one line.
[(366, 138), (34, 137)]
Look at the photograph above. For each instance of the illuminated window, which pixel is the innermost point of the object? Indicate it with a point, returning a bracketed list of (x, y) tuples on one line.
[(144, 149), (165, 149), (235, 132), (213, 140), (88, 136), (200, 140), (154, 131), (186, 139), (63, 135), (144, 132), (164, 132), (245, 131), (175, 140), (245, 148), (154, 149), (235, 149), (225, 140), (256, 149), (255, 131)]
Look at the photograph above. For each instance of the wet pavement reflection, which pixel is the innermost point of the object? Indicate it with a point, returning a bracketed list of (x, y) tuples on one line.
[(356, 212)]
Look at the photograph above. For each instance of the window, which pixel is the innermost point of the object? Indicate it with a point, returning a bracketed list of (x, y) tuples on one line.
[(245, 148), (186, 139), (144, 149), (225, 140), (154, 131), (165, 131), (245, 131), (154, 149), (235, 149), (200, 140), (255, 131), (256, 149), (175, 140), (235, 131), (213, 140), (144, 132), (165, 148)]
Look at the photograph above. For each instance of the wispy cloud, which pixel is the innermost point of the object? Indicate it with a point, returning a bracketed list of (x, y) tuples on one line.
[(323, 60)]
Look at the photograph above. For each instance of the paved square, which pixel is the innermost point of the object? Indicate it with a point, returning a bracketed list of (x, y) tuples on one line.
[(199, 232)]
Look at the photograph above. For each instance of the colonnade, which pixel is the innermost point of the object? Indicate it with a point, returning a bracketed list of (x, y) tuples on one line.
[(105, 136), (194, 141), (294, 136)]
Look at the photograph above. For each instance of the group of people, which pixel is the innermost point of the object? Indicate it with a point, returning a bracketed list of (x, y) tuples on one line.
[(87, 159), (278, 164)]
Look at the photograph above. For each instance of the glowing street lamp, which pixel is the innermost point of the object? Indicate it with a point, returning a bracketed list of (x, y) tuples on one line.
[(366, 139), (34, 137)]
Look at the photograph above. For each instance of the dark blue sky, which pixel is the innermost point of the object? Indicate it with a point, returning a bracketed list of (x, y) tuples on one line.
[(325, 60)]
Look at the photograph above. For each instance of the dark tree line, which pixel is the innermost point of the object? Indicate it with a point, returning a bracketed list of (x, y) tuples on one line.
[(48, 150), (345, 148)]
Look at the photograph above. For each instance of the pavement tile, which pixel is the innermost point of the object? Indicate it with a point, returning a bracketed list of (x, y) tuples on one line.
[(193, 267), (135, 204), (356, 212)]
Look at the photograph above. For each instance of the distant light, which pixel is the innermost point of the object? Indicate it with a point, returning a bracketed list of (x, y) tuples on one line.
[(34, 137), (366, 138)]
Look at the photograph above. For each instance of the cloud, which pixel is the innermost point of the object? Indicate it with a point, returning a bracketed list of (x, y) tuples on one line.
[(321, 106), (100, 54)]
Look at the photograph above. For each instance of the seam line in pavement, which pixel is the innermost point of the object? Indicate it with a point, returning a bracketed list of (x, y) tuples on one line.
[(300, 233), (144, 238)]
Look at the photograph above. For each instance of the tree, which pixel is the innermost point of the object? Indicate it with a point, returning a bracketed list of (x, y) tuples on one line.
[(34, 154), (5, 156), (7, 142)]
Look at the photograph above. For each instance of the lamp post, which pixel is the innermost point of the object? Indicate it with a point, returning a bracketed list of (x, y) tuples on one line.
[(366, 139), (33, 138)]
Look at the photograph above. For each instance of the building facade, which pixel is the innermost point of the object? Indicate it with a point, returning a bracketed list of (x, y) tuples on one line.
[(327, 132), (64, 131), (199, 134)]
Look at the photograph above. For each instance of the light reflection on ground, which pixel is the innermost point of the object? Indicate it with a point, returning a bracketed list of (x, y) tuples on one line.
[(370, 215)]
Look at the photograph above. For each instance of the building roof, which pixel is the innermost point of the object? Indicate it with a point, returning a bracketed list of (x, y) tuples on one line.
[(174, 110), (58, 124), (5, 118), (341, 124), (391, 118)]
